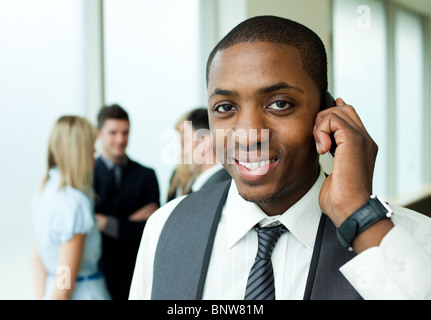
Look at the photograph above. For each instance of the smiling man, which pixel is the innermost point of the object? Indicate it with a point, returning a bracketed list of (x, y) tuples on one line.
[(127, 194), (282, 229)]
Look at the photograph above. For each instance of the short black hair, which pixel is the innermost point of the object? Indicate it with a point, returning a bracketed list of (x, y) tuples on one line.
[(280, 30), (113, 111), (199, 118)]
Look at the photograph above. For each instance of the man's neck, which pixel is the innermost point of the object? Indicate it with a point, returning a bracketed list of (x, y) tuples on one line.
[(288, 197)]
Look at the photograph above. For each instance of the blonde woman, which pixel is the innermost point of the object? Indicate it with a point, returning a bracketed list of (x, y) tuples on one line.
[(68, 243)]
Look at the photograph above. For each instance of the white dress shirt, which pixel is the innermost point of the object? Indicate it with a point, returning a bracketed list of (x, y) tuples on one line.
[(399, 268)]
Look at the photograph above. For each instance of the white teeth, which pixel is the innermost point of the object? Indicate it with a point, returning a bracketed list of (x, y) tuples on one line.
[(254, 165)]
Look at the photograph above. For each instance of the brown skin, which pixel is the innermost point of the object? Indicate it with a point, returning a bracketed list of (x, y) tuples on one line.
[(263, 85)]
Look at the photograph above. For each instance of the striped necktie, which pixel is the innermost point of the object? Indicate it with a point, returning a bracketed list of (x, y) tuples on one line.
[(260, 284)]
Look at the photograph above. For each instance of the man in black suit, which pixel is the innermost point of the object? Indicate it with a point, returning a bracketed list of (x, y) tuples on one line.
[(127, 193)]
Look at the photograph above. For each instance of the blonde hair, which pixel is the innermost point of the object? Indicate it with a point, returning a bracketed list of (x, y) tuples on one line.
[(71, 149)]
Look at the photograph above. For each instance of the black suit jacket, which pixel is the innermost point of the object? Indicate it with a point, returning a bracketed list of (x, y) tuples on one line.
[(139, 187)]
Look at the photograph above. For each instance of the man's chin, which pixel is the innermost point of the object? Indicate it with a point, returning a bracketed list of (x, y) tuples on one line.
[(118, 157), (258, 194), (256, 199)]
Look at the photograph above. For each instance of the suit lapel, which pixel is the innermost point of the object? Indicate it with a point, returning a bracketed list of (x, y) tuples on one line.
[(185, 245)]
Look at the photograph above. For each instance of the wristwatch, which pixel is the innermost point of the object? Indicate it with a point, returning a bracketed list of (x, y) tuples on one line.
[(371, 212)]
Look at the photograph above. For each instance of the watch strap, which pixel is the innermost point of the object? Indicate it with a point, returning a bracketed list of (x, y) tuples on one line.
[(374, 210)]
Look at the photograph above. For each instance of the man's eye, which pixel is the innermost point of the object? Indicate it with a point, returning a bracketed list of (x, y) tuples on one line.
[(225, 108), (279, 105)]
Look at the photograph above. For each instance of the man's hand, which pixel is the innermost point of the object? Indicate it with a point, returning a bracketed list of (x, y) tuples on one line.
[(101, 221), (350, 184), (144, 213)]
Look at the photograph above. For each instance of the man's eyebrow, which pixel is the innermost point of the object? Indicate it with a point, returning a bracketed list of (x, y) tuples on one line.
[(278, 86), (224, 92), (268, 89)]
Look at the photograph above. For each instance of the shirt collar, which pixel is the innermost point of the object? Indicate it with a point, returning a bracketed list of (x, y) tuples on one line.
[(110, 165), (302, 219)]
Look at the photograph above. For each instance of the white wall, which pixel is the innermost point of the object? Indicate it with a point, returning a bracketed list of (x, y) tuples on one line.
[(41, 78), (152, 71)]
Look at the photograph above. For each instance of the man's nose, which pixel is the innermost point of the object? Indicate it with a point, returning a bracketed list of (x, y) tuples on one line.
[(121, 138), (250, 128)]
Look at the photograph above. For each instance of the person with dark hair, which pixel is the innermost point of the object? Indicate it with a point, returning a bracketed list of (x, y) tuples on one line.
[(127, 193), (282, 228), (275, 30), (111, 112), (199, 153)]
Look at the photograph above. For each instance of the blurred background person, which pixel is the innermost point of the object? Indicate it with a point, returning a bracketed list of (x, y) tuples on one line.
[(199, 152), (182, 177), (180, 183), (127, 193), (68, 243)]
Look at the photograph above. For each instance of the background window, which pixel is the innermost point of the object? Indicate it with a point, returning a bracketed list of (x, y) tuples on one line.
[(409, 102), (379, 67), (152, 70), (41, 78), (360, 56)]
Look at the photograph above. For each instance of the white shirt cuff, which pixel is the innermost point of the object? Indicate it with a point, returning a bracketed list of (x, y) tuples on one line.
[(398, 269)]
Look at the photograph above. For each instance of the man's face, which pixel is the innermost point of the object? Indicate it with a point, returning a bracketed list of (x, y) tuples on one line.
[(259, 86), (114, 136)]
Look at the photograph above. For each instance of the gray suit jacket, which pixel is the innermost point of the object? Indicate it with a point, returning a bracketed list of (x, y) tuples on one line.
[(219, 176)]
